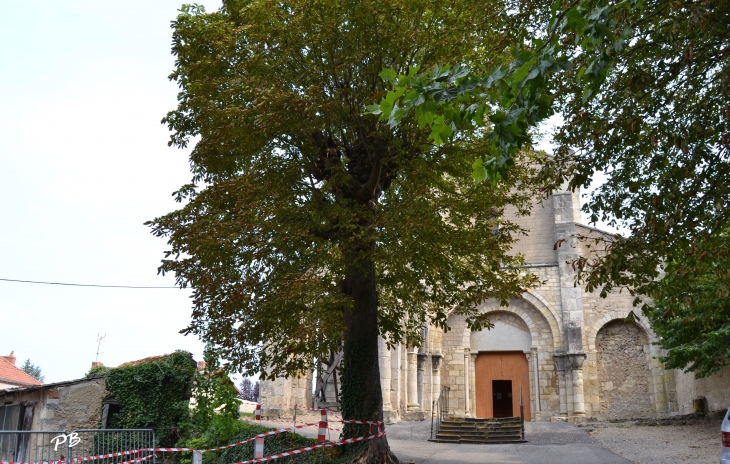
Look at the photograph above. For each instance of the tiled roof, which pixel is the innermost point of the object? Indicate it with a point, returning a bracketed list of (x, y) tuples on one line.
[(14, 376)]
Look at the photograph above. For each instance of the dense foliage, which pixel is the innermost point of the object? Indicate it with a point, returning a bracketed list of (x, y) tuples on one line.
[(214, 423), (214, 414), (659, 130), (277, 443), (33, 370), (644, 91), (153, 394), (692, 319)]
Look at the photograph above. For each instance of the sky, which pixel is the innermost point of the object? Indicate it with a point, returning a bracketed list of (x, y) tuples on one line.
[(84, 162)]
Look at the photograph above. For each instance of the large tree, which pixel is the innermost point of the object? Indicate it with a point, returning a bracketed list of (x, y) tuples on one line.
[(644, 91), (307, 222)]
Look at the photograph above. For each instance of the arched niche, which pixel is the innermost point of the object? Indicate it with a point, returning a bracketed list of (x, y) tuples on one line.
[(510, 333), (625, 384)]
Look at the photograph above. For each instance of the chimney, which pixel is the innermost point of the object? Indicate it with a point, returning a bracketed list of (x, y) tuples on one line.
[(201, 365), (96, 364), (11, 358)]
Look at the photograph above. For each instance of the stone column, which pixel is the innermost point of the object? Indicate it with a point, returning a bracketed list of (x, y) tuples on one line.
[(571, 295), (536, 382), (561, 365), (436, 375), (467, 412), (472, 385), (403, 356), (531, 386), (421, 380), (576, 363), (385, 373), (412, 404), (395, 379)]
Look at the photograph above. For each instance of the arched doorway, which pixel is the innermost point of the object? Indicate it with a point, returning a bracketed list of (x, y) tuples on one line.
[(501, 367), (624, 371)]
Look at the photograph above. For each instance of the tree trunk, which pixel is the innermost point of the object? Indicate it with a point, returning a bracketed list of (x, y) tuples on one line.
[(362, 398)]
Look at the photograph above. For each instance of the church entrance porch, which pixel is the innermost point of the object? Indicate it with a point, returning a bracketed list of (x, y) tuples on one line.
[(498, 377)]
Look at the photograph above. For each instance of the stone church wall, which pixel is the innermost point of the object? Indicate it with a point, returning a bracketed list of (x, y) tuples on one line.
[(714, 389)]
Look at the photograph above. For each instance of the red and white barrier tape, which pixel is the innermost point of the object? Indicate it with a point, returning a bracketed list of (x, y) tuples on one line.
[(289, 421), (137, 460), (261, 435), (39, 462), (296, 406), (359, 422), (314, 447), (285, 421), (322, 426), (170, 449), (93, 458)]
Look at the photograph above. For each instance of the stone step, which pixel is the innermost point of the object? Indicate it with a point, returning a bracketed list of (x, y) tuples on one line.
[(470, 426), (503, 435), (449, 433), (457, 433), (458, 429), (509, 427), (475, 437), (480, 430), (474, 442)]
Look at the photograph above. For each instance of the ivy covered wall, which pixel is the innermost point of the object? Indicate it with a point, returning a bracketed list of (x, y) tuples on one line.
[(150, 393)]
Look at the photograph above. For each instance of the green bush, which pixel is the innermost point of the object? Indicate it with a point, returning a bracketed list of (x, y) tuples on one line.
[(278, 443)]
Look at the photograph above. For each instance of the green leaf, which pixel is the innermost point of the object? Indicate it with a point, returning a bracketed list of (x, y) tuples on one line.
[(388, 74), (479, 172), (373, 109), (519, 75)]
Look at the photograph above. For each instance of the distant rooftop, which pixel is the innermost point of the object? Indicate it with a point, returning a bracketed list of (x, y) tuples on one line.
[(12, 375)]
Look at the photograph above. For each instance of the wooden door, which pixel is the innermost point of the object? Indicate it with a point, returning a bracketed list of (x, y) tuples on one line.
[(501, 365)]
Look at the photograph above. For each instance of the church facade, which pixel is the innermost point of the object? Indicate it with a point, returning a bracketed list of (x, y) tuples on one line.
[(571, 353)]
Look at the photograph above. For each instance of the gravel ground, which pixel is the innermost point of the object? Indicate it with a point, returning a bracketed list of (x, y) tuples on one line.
[(547, 443), (698, 442), (695, 442)]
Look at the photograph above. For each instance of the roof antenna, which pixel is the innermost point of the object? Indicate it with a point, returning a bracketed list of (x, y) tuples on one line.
[(99, 338)]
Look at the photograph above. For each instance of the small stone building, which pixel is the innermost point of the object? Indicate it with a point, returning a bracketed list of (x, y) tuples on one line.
[(570, 351), (62, 406), (71, 405)]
